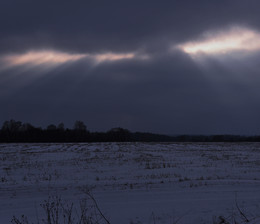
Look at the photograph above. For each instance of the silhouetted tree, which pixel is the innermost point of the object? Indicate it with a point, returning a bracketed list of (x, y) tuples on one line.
[(12, 126), (119, 134), (80, 126), (27, 127), (60, 127), (51, 127)]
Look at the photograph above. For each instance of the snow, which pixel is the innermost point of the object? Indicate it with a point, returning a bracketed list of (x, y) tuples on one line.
[(133, 182)]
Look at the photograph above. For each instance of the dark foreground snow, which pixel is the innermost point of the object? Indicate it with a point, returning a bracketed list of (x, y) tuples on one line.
[(133, 182)]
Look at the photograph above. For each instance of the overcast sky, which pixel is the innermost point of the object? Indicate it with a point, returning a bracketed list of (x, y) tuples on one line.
[(171, 67)]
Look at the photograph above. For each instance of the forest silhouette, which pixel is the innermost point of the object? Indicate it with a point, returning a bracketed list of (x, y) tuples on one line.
[(16, 131)]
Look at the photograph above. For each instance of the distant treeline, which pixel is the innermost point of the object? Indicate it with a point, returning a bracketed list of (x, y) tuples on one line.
[(16, 131)]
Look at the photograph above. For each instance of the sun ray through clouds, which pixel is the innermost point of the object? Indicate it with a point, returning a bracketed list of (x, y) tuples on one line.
[(31, 66), (51, 58), (235, 39), (41, 57)]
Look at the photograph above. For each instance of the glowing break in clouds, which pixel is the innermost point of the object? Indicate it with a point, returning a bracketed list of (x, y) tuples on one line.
[(54, 58), (110, 56), (41, 57), (223, 42)]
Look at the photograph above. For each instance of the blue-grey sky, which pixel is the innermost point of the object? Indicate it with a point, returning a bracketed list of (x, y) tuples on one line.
[(172, 67)]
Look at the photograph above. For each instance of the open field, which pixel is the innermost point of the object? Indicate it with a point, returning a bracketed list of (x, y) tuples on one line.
[(134, 182)]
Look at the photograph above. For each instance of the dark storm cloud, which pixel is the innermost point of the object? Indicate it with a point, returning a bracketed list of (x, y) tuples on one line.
[(166, 92), (115, 25)]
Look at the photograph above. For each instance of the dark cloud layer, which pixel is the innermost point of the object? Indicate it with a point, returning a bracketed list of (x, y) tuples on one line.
[(115, 25), (168, 92)]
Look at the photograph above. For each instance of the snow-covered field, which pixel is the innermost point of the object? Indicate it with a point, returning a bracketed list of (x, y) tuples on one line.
[(134, 182)]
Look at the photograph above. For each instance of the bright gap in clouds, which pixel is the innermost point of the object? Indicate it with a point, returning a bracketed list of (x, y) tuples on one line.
[(224, 42), (41, 57), (111, 56), (52, 58)]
